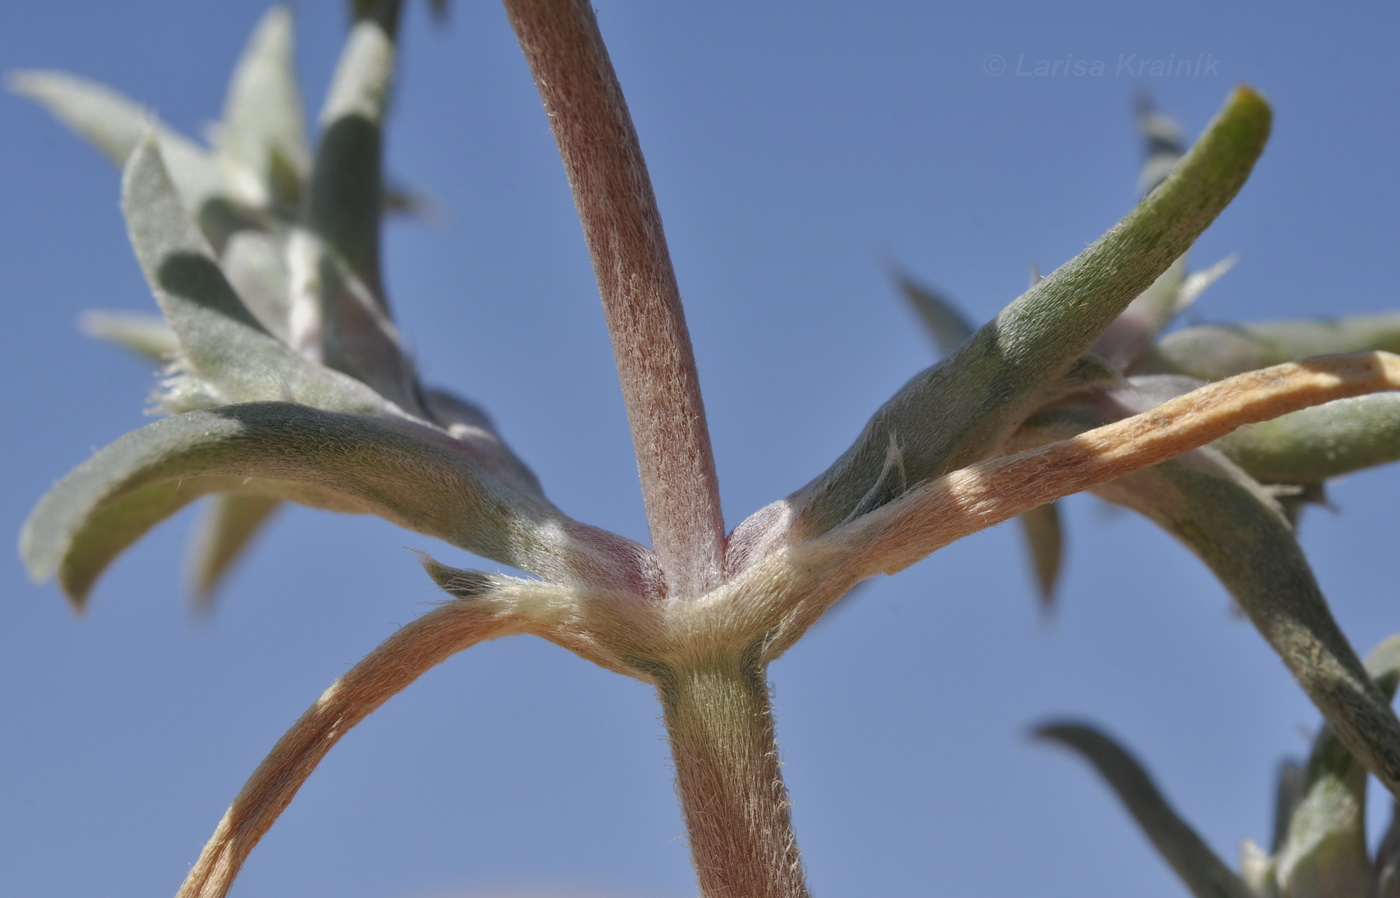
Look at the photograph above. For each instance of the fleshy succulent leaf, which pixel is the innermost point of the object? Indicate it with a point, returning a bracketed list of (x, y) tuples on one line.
[(223, 345), (955, 413), (263, 128), (1203, 872), (407, 473), (1313, 445), (1040, 527), (229, 524), (1211, 352)]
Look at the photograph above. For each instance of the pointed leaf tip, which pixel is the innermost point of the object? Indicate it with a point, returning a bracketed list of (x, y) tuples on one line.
[(1203, 872)]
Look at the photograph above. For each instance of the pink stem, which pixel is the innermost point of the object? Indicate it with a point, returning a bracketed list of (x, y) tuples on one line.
[(641, 301)]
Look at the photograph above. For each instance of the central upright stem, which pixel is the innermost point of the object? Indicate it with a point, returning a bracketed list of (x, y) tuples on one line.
[(737, 813), (641, 301)]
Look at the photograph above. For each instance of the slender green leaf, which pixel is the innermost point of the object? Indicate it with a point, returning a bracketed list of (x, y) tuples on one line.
[(1212, 352), (407, 473), (263, 128), (225, 348), (346, 201), (340, 321), (1044, 538), (256, 265), (1324, 852), (1237, 528), (141, 333), (1203, 872), (1240, 532), (957, 412), (116, 126), (943, 322)]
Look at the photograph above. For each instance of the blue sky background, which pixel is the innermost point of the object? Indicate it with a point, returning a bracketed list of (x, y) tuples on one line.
[(795, 149)]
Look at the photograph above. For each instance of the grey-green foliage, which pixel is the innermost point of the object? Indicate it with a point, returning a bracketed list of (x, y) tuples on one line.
[(1290, 457), (288, 381), (1234, 503), (263, 253), (1318, 848)]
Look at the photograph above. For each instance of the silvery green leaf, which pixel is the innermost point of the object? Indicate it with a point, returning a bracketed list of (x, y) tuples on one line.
[(1324, 852), (345, 205), (407, 473), (338, 320), (142, 333), (955, 413), (1240, 532), (116, 126), (263, 129), (1212, 352), (222, 537), (1203, 872), (1197, 282), (225, 349), (1312, 445), (255, 263)]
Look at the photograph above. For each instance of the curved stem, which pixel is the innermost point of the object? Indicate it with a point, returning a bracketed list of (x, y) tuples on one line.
[(720, 723), (983, 495), (385, 672), (641, 301)]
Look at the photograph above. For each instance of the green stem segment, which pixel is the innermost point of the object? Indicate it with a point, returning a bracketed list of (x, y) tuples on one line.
[(720, 723)]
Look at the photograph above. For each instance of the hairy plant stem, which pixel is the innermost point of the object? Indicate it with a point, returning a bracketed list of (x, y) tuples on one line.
[(641, 301), (720, 723)]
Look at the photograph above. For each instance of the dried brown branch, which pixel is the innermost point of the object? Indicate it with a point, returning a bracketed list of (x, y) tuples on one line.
[(385, 672), (993, 491)]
